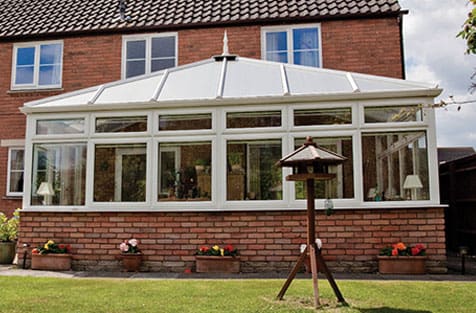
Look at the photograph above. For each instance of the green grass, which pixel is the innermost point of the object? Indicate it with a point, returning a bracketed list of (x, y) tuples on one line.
[(27, 294)]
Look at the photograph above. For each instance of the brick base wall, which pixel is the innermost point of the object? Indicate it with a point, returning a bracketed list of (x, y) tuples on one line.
[(267, 241)]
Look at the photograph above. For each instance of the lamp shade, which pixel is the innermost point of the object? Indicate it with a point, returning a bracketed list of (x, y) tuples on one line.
[(412, 181), (45, 189)]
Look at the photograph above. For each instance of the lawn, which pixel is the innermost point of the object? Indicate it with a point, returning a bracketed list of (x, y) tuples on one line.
[(27, 294)]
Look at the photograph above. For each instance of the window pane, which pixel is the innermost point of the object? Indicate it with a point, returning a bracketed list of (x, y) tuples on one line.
[(323, 117), (253, 119), (308, 58), (277, 57), (24, 75), (185, 122), (392, 114), (342, 185), (135, 49), (26, 56), (16, 170), (305, 39), (135, 68), (49, 75), (185, 171), (395, 166), (251, 170), (163, 47), (276, 41), (121, 124), (51, 127), (59, 174), (120, 173), (50, 54), (162, 64)]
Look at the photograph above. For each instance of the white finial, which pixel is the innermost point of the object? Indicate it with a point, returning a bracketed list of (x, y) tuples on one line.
[(225, 44)]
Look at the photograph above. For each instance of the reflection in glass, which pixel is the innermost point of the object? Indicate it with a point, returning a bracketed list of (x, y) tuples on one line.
[(323, 116), (63, 168), (387, 114), (16, 170), (253, 119), (60, 126), (121, 124), (120, 173), (185, 121), (185, 171), (251, 170), (388, 161)]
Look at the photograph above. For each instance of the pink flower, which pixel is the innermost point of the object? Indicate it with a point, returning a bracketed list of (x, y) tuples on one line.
[(415, 251), (124, 247), (133, 242), (394, 252)]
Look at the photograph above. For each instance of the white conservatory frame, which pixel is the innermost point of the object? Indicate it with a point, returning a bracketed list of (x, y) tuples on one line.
[(218, 135)]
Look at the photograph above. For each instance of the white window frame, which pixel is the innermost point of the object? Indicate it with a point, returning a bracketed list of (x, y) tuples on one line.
[(36, 70), (289, 35), (10, 171), (148, 50)]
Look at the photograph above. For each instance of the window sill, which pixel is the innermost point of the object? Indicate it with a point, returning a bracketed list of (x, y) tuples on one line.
[(34, 90), (7, 197)]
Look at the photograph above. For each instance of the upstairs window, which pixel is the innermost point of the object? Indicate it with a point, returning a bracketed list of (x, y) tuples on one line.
[(37, 65), (295, 45), (147, 54)]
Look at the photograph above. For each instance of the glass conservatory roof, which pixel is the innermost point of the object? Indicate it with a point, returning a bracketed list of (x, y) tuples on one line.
[(230, 79)]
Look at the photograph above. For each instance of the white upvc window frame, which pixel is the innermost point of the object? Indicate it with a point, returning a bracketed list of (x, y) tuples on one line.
[(289, 35), (36, 71), (10, 171), (219, 135), (148, 50)]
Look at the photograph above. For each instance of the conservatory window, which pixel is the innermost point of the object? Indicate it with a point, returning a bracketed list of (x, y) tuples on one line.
[(15, 171), (393, 114), (121, 124), (296, 45), (60, 126), (185, 171), (253, 119), (37, 65), (185, 121), (342, 185), (334, 116), (148, 54), (395, 166), (59, 174), (120, 173), (251, 170)]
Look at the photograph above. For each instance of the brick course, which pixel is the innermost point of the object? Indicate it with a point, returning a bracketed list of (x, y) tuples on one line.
[(269, 241)]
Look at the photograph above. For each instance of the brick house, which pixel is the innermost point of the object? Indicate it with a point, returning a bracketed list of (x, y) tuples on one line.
[(83, 154)]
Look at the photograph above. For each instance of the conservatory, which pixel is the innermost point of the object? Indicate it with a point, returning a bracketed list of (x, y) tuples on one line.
[(206, 137)]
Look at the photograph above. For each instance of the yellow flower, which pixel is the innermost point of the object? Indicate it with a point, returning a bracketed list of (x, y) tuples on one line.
[(46, 246), (216, 248), (222, 252)]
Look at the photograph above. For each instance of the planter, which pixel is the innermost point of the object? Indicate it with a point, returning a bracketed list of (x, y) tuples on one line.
[(402, 264), (217, 264), (131, 261), (51, 262), (7, 252)]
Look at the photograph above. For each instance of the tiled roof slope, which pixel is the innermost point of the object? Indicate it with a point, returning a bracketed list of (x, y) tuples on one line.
[(47, 17)]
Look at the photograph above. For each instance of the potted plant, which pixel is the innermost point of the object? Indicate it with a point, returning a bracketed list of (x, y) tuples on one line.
[(8, 236), (234, 158), (51, 256), (402, 259), (131, 255), (200, 165), (215, 259)]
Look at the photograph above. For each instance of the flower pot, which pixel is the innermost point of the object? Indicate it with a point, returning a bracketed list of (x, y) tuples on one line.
[(51, 262), (217, 264), (7, 252), (131, 261), (401, 264)]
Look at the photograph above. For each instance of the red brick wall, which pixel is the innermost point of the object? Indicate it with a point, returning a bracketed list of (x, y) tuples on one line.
[(267, 241)]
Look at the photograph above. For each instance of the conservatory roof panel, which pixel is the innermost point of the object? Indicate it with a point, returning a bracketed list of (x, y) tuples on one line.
[(232, 79)]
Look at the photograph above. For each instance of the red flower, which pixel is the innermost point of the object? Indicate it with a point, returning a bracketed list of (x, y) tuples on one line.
[(61, 246), (420, 246), (394, 252), (68, 248), (204, 249), (228, 248), (35, 251), (415, 251)]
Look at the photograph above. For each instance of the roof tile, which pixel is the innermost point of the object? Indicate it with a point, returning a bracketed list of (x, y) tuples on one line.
[(28, 17)]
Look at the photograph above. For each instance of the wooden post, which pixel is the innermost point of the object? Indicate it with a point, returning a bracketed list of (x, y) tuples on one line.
[(311, 237)]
